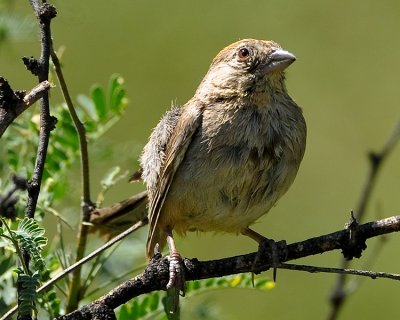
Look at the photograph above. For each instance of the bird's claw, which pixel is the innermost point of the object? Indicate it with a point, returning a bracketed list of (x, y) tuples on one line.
[(266, 246), (176, 282), (176, 276)]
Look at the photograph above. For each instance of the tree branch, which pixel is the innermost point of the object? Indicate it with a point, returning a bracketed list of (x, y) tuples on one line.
[(155, 276), (339, 294), (13, 103), (44, 13), (75, 292)]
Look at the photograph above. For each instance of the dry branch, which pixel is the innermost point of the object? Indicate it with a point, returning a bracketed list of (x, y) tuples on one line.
[(13, 103), (155, 276)]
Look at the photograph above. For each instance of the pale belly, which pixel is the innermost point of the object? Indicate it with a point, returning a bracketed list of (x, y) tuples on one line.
[(225, 196), (234, 172)]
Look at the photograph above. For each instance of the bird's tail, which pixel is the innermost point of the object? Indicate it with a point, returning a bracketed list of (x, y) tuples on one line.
[(112, 220)]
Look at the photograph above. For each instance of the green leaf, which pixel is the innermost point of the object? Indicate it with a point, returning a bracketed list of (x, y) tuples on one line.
[(154, 302), (117, 100), (99, 100), (124, 313), (27, 295), (116, 94), (51, 303), (88, 106), (142, 307), (209, 282), (30, 237)]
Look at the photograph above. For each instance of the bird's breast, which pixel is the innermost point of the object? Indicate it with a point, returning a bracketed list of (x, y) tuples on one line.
[(237, 166)]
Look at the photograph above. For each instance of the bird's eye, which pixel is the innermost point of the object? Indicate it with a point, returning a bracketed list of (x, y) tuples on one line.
[(244, 54)]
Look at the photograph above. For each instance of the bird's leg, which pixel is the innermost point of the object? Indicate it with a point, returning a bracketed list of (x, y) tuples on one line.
[(176, 283), (264, 245), (176, 276)]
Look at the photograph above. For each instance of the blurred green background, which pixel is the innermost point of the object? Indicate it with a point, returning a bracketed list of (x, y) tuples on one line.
[(346, 79)]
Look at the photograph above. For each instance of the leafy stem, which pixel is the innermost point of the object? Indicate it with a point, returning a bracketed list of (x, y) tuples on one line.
[(16, 246)]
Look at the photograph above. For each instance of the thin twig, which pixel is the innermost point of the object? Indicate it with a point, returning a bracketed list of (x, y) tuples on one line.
[(36, 93), (80, 128), (14, 105), (339, 294), (77, 264), (75, 293), (363, 273), (374, 252), (45, 13), (376, 161)]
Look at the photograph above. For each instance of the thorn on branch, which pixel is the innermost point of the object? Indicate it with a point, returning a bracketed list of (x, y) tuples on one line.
[(52, 122), (355, 245), (47, 12), (375, 159), (32, 64)]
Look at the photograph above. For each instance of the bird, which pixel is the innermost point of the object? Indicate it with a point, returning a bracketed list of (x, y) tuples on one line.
[(223, 159)]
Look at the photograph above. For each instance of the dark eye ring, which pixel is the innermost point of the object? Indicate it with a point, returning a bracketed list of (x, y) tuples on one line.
[(244, 54)]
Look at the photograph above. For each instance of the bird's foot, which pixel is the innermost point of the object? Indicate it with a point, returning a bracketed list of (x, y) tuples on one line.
[(176, 276), (176, 283)]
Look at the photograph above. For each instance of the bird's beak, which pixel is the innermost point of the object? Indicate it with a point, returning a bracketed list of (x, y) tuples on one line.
[(280, 60)]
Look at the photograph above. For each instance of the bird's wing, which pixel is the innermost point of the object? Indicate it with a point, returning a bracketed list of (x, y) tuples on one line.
[(181, 137)]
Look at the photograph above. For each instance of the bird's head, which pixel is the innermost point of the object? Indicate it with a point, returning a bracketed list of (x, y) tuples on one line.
[(245, 68)]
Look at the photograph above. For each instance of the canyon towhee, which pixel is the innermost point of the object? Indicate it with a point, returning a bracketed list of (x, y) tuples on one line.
[(222, 160)]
